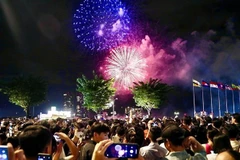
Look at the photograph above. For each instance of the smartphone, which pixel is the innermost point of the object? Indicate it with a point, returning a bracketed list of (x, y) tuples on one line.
[(3, 152), (44, 156), (122, 150), (57, 138), (154, 125)]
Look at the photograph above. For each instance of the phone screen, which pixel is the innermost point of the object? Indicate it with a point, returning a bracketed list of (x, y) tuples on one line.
[(154, 124), (43, 156), (57, 138), (122, 150), (3, 153)]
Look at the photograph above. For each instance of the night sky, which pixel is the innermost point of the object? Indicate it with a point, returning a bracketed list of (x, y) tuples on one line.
[(36, 37)]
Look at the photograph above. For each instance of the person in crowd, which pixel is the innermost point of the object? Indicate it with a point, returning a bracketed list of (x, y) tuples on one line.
[(217, 123), (228, 155), (100, 149), (210, 135), (99, 131), (14, 141), (134, 134), (236, 120), (3, 138), (153, 151), (35, 139), (78, 132), (119, 136), (231, 130), (146, 130), (176, 143), (186, 123), (221, 143), (15, 155), (72, 147)]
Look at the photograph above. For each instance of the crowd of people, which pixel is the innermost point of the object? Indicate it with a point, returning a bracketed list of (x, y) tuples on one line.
[(186, 138)]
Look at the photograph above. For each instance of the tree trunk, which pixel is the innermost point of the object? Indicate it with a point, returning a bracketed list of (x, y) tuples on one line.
[(27, 112), (149, 112)]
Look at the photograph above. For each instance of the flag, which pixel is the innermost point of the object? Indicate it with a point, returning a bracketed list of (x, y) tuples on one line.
[(213, 84), (221, 86), (234, 87), (228, 87), (205, 84), (196, 83)]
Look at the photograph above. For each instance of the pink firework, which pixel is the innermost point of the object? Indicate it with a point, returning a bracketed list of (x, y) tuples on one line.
[(126, 65)]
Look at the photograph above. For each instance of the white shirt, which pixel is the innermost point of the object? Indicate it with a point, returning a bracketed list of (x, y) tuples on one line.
[(153, 151)]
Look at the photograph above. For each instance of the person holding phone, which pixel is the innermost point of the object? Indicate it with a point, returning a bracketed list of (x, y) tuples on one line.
[(153, 150), (35, 139), (176, 142), (99, 131), (10, 153), (70, 144), (101, 148)]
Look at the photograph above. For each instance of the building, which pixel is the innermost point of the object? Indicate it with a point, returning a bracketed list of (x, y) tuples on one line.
[(68, 102), (80, 110)]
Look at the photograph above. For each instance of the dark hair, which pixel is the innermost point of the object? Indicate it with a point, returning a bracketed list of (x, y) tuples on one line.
[(201, 134), (78, 125), (3, 138), (236, 116), (221, 143), (44, 123), (231, 130), (91, 122), (187, 120), (217, 123), (24, 125), (155, 133), (14, 141), (174, 134), (55, 128), (212, 133), (208, 119), (120, 130), (34, 139), (99, 127), (135, 135)]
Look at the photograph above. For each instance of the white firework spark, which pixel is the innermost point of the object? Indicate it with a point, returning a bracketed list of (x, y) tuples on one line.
[(126, 66)]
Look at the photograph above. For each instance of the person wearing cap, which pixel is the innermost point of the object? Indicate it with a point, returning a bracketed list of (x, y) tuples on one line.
[(177, 143), (153, 151)]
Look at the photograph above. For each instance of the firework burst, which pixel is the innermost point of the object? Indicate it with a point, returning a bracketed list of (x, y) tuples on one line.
[(125, 65), (101, 24)]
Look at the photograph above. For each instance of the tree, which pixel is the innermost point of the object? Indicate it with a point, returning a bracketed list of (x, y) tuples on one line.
[(151, 94), (97, 92), (25, 91)]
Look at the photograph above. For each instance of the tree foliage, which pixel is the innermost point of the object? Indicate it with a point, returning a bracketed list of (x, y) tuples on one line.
[(97, 92), (25, 91), (151, 94)]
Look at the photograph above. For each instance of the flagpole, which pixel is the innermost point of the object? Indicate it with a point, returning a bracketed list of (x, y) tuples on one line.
[(226, 100), (219, 105), (194, 103), (233, 101), (238, 99), (203, 109), (211, 101)]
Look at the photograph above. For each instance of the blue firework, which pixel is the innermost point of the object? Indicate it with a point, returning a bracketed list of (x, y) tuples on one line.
[(101, 24)]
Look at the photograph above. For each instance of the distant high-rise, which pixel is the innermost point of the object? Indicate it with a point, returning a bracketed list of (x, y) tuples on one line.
[(68, 102), (80, 111)]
